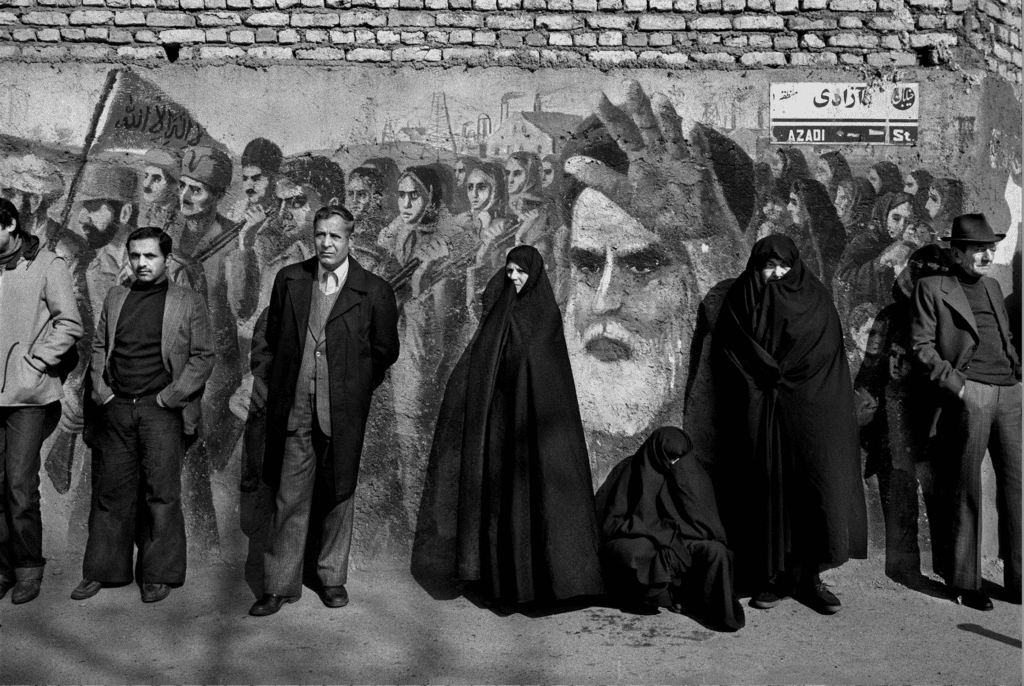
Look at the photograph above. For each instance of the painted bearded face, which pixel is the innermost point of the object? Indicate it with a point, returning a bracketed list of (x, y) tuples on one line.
[(624, 328)]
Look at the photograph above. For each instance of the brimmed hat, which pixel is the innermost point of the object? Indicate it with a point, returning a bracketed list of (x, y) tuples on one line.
[(208, 165), (107, 182), (972, 228)]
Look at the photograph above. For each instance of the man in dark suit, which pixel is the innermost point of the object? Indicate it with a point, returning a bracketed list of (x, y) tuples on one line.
[(962, 341), (332, 333), (151, 356)]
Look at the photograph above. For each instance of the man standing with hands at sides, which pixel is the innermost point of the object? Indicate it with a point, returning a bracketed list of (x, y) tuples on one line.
[(332, 333), (39, 325), (961, 339), (151, 356)]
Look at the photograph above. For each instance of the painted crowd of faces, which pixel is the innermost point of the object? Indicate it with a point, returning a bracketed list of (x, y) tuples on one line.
[(627, 227)]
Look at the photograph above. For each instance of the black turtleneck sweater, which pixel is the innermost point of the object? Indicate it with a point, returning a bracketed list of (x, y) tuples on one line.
[(991, 363), (136, 366)]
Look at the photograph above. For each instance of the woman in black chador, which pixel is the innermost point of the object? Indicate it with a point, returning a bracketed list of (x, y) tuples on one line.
[(525, 527), (789, 429), (664, 543)]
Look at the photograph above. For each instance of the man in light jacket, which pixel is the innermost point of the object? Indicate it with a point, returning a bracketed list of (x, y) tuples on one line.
[(151, 357), (40, 325)]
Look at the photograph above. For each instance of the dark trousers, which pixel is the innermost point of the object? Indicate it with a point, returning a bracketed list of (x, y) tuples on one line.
[(136, 497), (22, 432), (987, 418), (286, 543)]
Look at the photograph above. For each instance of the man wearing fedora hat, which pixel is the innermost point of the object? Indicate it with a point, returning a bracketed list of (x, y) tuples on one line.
[(962, 341)]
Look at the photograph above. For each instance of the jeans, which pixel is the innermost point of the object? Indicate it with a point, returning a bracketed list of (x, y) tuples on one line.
[(22, 432), (136, 497)]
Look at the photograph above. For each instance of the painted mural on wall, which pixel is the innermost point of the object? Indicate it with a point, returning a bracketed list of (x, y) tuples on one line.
[(644, 198)]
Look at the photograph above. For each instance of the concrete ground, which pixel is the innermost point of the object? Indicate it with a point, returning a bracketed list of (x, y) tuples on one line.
[(394, 632)]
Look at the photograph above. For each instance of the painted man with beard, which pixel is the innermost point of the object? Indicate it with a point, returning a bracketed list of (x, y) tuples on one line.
[(158, 204), (105, 213), (207, 237), (304, 185), (640, 200), (33, 185)]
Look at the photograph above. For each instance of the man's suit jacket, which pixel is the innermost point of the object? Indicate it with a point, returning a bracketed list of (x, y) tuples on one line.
[(944, 334), (362, 342), (186, 346)]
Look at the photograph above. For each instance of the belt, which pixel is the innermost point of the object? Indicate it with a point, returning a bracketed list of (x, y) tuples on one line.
[(134, 397)]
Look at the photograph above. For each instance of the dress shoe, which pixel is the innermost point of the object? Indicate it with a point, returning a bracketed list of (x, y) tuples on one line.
[(270, 604), (87, 588), (5, 586), (818, 597), (977, 600), (25, 590), (152, 593), (334, 596)]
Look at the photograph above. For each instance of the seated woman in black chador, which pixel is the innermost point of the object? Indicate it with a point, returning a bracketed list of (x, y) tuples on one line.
[(664, 543), (525, 527), (789, 436)]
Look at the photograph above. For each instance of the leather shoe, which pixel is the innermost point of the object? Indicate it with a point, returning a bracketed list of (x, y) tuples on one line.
[(25, 590), (5, 586), (819, 598), (269, 604), (765, 600), (334, 596), (87, 588), (977, 600), (152, 593)]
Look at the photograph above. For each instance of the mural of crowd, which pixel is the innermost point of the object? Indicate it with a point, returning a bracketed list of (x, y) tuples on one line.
[(636, 223)]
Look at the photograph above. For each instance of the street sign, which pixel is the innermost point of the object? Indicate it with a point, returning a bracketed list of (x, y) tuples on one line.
[(835, 113)]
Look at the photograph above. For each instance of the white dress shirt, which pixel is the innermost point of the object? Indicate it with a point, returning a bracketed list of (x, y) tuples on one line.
[(332, 281)]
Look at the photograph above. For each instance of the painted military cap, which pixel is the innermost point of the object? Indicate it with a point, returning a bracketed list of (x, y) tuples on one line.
[(164, 159), (211, 166), (104, 181)]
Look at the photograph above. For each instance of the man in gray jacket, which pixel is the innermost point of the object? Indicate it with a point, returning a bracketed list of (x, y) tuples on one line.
[(40, 326), (151, 356)]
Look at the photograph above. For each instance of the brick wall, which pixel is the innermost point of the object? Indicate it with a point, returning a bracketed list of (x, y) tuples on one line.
[(602, 33)]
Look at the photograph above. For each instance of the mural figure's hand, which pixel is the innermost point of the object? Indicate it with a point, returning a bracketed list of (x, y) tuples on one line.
[(867, 405), (667, 186), (71, 418), (255, 215)]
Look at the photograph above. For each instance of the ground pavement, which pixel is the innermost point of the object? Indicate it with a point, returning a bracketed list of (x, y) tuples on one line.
[(393, 632)]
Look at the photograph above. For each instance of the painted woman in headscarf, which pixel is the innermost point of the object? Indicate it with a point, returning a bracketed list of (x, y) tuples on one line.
[(531, 208), (885, 177), (945, 203), (770, 200), (431, 315), (831, 170), (788, 432), (485, 224), (508, 499), (854, 202), (789, 164), (871, 262), (663, 542), (816, 228), (916, 185)]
